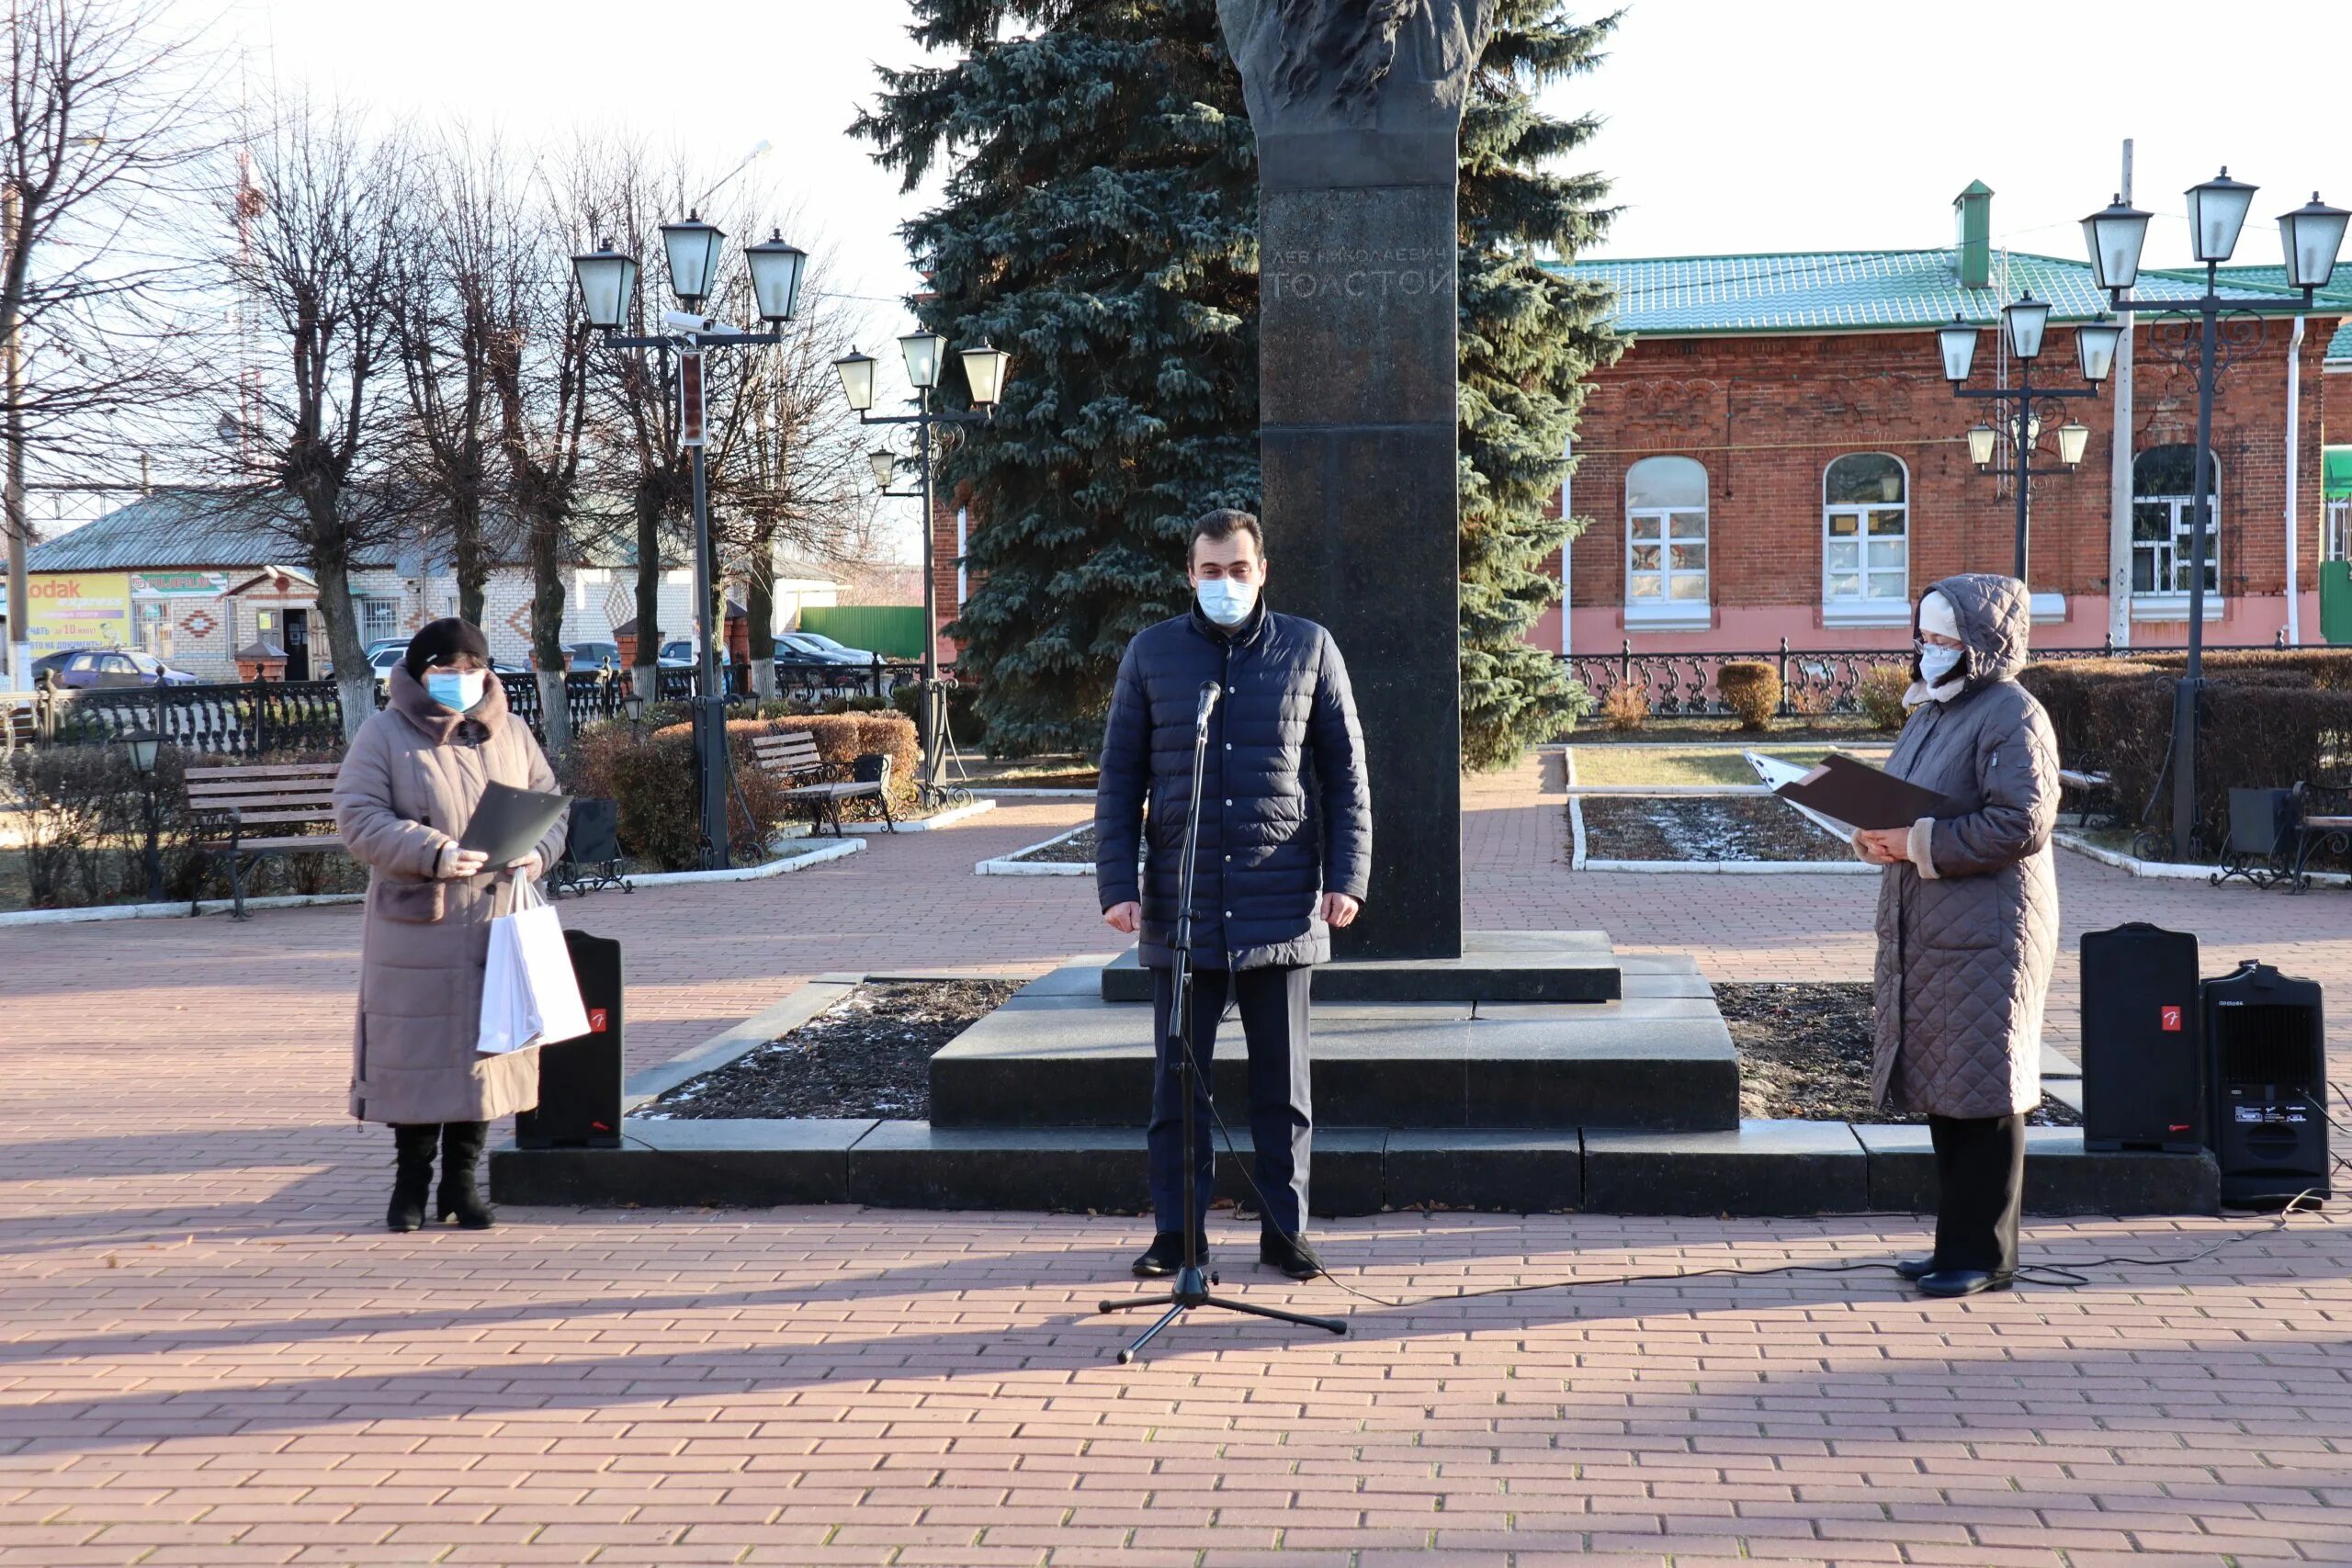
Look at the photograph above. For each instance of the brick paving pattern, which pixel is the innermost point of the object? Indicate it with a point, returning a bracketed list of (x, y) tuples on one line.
[(209, 1355)]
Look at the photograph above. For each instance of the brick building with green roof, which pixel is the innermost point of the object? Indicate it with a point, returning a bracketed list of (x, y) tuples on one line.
[(1778, 455)]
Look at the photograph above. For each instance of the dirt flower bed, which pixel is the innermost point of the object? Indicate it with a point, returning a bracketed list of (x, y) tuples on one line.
[(869, 1054), (1703, 827), (1805, 1051), (1076, 849)]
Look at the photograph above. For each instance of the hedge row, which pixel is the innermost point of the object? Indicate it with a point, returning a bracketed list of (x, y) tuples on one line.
[(2265, 722)]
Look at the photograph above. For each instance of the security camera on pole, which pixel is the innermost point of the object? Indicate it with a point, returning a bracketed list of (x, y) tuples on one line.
[(984, 372), (607, 278)]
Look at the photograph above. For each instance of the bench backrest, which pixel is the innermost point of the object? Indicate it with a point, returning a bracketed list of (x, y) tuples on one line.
[(789, 752), (274, 792)]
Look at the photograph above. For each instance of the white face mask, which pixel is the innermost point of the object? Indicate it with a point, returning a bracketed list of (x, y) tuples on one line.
[(1224, 601), (457, 690), (1937, 663)]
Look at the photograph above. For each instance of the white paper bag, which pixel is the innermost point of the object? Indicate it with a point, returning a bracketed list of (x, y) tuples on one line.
[(529, 995)]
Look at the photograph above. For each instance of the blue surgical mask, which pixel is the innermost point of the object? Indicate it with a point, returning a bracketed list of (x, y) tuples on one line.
[(1226, 602), (457, 690), (1937, 663)]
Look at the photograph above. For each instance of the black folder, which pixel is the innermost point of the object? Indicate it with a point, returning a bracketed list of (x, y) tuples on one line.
[(509, 823), (1862, 796)]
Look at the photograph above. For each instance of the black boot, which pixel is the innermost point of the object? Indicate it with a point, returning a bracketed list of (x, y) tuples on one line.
[(1165, 1256), (461, 1144), (1279, 1249), (412, 1174)]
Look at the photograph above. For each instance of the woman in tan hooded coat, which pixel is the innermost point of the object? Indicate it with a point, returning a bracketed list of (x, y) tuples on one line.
[(408, 785)]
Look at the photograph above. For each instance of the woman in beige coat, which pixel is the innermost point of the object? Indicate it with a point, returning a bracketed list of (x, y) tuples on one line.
[(408, 786)]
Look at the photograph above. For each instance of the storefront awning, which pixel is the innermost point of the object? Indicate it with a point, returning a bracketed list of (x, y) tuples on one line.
[(2339, 473)]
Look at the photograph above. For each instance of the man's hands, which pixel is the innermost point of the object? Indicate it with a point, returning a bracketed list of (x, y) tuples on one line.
[(1339, 909), (1124, 917), (1884, 846)]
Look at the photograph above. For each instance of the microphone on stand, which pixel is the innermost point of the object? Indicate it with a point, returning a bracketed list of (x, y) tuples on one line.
[(1208, 700)]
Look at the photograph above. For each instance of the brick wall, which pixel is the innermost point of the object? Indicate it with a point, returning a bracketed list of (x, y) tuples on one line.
[(1767, 414)]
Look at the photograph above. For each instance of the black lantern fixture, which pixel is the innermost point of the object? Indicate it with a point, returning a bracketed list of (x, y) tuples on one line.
[(2115, 235), (921, 350), (607, 279), (2313, 236), (1958, 343), (2217, 210), (2096, 342), (143, 746), (1982, 438), (884, 464), (856, 371), (2074, 439), (2025, 318), (984, 368), (693, 248), (775, 276)]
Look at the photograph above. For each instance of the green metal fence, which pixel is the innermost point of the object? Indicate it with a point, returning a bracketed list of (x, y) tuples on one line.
[(895, 631)]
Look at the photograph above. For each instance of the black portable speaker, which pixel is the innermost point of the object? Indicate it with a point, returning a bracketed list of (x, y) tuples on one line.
[(2144, 1056), (2266, 1054), (580, 1079)]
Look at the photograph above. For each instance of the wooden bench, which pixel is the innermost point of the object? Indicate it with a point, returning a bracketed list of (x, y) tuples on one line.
[(2092, 785), (2323, 817), (231, 799), (792, 755)]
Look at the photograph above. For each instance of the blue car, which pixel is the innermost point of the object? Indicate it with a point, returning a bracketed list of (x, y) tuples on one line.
[(86, 667)]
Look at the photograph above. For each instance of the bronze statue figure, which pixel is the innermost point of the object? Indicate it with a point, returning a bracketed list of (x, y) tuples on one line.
[(1362, 65)]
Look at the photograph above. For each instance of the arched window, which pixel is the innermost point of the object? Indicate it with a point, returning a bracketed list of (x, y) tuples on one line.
[(1866, 540), (1666, 543), (2164, 523)]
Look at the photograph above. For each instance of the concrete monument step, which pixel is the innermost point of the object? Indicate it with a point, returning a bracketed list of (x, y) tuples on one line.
[(1059, 1056), (1756, 1168), (1495, 967)]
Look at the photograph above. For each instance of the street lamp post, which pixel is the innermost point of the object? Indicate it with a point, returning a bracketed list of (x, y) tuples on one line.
[(607, 278), (984, 371), (2024, 320), (2313, 237), (143, 747)]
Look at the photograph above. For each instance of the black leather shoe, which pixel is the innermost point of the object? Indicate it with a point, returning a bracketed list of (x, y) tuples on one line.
[(1915, 1267), (1962, 1283), (1277, 1249), (1165, 1256)]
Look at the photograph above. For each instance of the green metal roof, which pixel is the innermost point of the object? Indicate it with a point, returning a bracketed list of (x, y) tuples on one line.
[(1848, 292)]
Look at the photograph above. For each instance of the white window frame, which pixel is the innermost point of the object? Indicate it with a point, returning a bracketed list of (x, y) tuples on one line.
[(1865, 610), (2339, 530), (1666, 612), (371, 606), (2161, 605)]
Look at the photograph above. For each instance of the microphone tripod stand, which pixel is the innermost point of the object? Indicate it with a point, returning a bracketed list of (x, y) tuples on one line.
[(1191, 1286)]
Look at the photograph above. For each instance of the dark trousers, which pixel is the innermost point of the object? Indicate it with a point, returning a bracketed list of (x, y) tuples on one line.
[(1979, 1187), (1273, 1004)]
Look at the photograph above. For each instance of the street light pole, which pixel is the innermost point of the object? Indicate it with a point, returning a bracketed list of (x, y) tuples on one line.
[(2024, 322), (606, 279), (984, 370), (2313, 237)]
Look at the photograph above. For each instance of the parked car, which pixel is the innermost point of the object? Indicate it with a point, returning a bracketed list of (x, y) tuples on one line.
[(680, 655), (816, 647), (85, 668), (593, 655)]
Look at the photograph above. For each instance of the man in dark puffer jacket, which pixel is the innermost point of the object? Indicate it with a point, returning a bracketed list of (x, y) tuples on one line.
[(1284, 856)]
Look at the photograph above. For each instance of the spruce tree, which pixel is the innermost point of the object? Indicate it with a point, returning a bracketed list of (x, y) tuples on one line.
[(1098, 221), (1527, 334)]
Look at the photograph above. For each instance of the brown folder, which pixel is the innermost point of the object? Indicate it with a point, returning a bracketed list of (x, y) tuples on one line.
[(1862, 796)]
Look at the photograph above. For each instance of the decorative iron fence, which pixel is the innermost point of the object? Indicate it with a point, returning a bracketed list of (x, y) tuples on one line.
[(1812, 681), (252, 718)]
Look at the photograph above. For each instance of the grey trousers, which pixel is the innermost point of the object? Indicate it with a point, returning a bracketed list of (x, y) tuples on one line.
[(1273, 1004)]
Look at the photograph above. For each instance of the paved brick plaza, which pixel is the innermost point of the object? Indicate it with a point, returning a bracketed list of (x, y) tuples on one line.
[(213, 1356)]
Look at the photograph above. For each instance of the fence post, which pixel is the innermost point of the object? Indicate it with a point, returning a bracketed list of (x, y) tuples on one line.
[(878, 679), (1787, 707), (1625, 663)]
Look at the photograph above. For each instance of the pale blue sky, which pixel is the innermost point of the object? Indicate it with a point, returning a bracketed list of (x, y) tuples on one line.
[(1732, 125)]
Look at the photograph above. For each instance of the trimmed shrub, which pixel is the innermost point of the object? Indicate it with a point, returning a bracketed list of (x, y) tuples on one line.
[(1880, 692), (1626, 707), (2328, 667), (1751, 689), (963, 719)]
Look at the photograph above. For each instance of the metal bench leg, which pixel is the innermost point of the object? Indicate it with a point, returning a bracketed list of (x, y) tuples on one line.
[(237, 888), (888, 821)]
